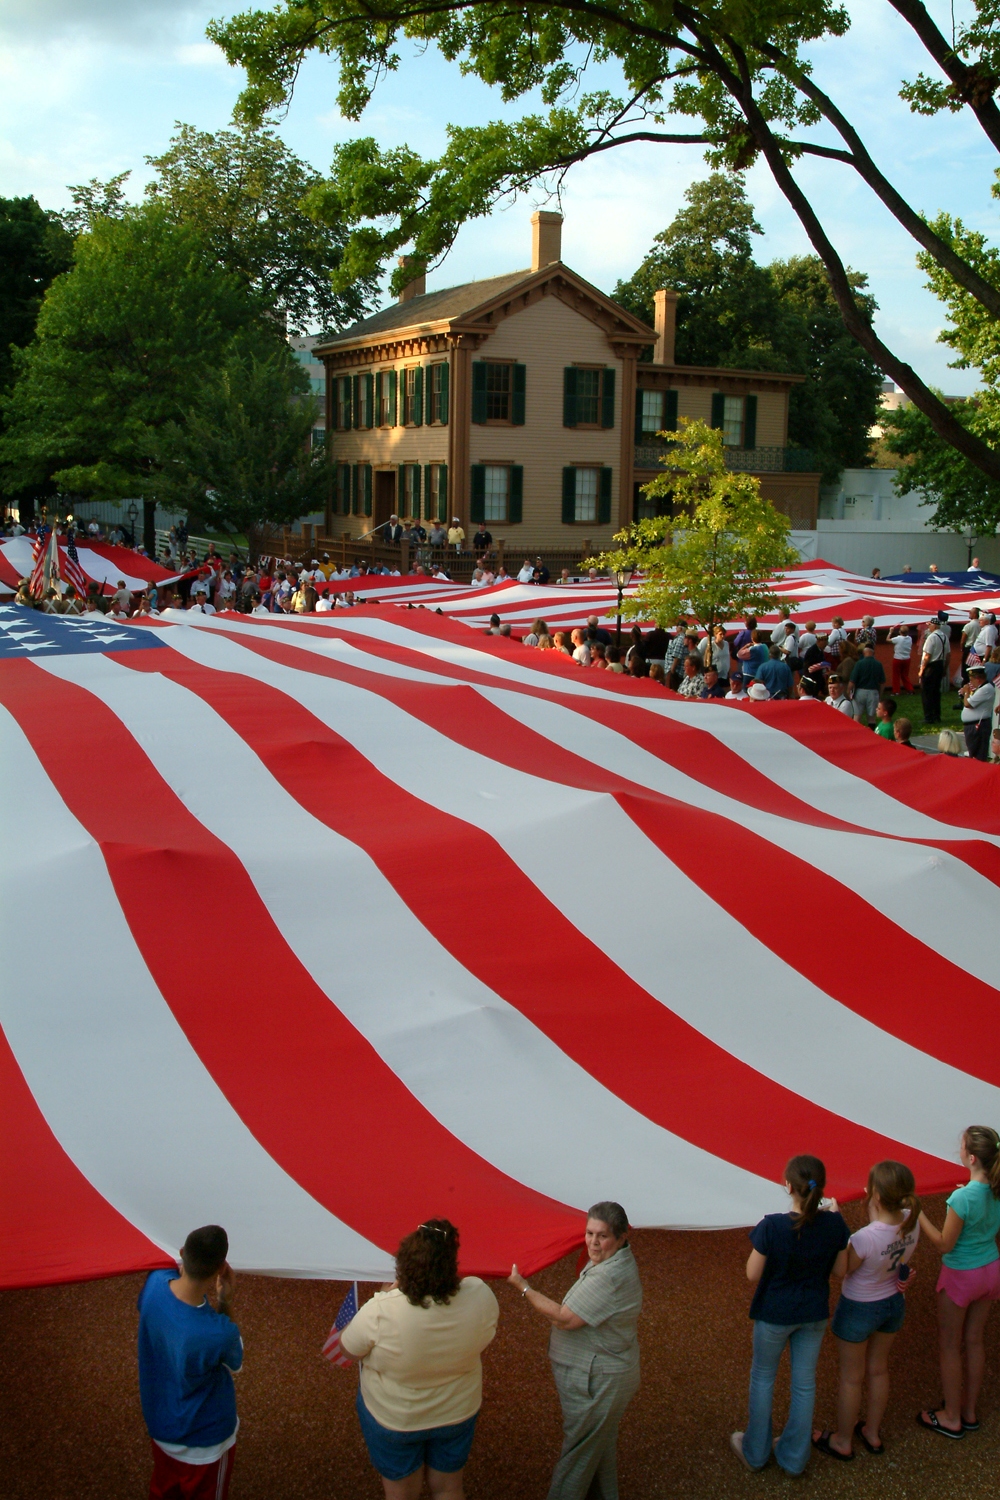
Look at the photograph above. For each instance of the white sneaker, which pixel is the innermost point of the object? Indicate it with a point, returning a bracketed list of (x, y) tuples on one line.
[(736, 1443)]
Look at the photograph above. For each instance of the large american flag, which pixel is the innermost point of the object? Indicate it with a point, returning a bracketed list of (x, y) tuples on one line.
[(407, 921)]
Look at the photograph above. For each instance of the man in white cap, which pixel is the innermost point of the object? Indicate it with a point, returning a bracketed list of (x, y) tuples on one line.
[(758, 693)]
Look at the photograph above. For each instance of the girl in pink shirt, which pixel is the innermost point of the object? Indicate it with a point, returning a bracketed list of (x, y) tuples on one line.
[(872, 1307)]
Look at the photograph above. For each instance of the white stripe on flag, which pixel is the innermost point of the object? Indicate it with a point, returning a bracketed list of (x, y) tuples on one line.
[(113, 1073)]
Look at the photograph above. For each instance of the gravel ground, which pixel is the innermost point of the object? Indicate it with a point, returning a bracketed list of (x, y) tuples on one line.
[(71, 1429)]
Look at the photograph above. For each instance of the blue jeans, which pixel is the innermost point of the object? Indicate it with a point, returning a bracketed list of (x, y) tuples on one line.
[(769, 1339)]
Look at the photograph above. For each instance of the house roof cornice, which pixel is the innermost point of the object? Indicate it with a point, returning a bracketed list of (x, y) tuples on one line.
[(664, 377), (473, 325)]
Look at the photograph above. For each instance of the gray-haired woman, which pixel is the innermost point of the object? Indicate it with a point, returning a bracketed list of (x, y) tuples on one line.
[(594, 1351)]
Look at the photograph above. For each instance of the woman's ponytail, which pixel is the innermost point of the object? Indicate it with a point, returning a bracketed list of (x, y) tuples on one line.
[(806, 1176), (984, 1144)]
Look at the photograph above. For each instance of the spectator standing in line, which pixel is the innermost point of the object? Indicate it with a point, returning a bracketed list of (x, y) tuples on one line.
[(838, 699), (865, 634), (716, 651), (987, 637), (420, 1342), (978, 701), (969, 1282), (594, 1352), (793, 1257), (867, 680), (752, 654), (437, 536), (539, 573), (188, 1354), (883, 713), (933, 666), (677, 649), (775, 674), (901, 641), (835, 639), (581, 648), (692, 684), (970, 630), (456, 534), (744, 637), (807, 638), (595, 632), (482, 541)]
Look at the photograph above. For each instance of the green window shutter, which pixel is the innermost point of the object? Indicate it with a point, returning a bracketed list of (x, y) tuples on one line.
[(355, 489), (356, 399), (639, 434), (416, 492), (517, 396), (479, 391), (418, 396), (750, 422), (430, 508), (569, 406), (393, 382), (377, 399), (670, 412), (569, 494), (516, 507), (604, 502), (608, 399), (718, 408), (442, 494), (345, 381), (442, 412), (367, 471), (345, 489), (429, 396), (477, 505), (370, 397)]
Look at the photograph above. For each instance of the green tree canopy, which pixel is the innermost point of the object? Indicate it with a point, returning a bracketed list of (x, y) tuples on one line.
[(34, 249), (241, 455), (741, 70), (740, 315), (122, 340), (718, 555), (244, 190)]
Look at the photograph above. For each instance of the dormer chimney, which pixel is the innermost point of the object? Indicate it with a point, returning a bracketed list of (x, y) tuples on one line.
[(546, 239), (415, 288), (665, 322)]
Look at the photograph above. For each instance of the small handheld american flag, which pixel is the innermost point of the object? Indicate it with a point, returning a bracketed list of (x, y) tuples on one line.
[(348, 1309), (72, 570)]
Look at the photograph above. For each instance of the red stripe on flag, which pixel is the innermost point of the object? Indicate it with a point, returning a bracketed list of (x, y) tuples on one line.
[(553, 974), (301, 1077), (57, 1227), (724, 859)]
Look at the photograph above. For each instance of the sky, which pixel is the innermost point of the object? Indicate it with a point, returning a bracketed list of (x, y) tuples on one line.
[(89, 88)]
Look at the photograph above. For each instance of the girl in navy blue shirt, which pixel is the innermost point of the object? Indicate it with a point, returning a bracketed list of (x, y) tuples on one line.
[(793, 1257)]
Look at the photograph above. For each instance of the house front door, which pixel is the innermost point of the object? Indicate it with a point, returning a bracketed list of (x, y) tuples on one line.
[(385, 495)]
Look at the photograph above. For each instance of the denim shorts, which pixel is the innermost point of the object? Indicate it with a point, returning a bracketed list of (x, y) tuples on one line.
[(397, 1454), (854, 1322)]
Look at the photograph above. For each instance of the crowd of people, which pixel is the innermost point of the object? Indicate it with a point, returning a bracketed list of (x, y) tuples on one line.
[(420, 1340), (788, 661)]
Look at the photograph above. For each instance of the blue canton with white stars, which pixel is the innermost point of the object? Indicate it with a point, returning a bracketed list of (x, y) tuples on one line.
[(28, 633)]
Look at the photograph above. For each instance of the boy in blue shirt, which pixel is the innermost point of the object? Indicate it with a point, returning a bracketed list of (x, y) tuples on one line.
[(188, 1354)]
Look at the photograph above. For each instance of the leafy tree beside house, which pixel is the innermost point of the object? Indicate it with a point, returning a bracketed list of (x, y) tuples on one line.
[(734, 313), (123, 344), (717, 557)]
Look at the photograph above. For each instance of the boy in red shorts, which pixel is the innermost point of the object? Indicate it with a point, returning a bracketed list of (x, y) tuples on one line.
[(188, 1354)]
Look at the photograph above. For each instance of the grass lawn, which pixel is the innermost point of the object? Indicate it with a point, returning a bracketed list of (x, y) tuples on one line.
[(910, 707)]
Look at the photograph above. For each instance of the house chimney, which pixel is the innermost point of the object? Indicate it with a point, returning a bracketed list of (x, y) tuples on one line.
[(415, 288), (546, 239), (665, 321)]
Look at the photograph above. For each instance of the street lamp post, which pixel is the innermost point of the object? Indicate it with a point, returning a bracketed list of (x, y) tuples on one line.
[(133, 516), (623, 577)]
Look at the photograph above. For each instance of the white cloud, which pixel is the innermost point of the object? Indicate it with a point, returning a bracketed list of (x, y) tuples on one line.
[(201, 55)]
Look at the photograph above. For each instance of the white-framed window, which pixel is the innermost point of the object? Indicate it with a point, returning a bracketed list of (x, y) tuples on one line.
[(732, 421), (652, 411), (588, 483), (496, 492)]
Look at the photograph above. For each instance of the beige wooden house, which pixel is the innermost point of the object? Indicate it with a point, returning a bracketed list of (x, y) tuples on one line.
[(522, 401)]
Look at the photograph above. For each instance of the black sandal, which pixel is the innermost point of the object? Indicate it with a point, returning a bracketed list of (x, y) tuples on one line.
[(859, 1433), (824, 1445), (935, 1426)]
